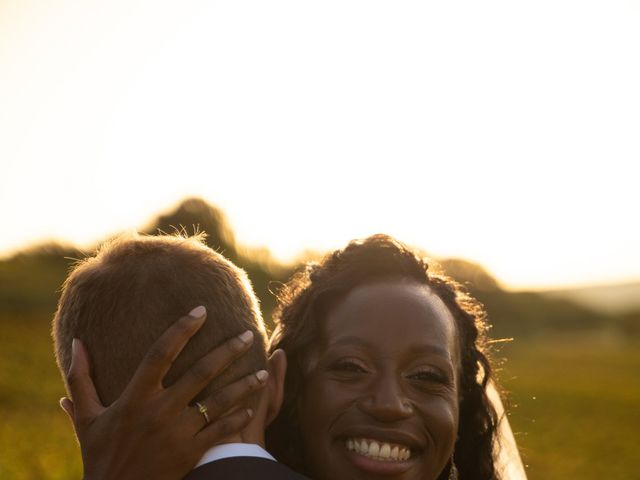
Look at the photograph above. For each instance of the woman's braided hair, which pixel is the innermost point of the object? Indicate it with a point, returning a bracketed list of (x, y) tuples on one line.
[(303, 303)]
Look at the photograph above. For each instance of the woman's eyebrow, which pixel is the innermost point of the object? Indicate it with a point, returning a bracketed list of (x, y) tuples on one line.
[(416, 349), (431, 350), (351, 340)]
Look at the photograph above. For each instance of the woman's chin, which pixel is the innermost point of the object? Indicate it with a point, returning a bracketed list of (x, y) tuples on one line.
[(383, 467)]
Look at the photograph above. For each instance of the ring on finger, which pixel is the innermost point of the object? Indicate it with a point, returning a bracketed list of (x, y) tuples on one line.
[(203, 410)]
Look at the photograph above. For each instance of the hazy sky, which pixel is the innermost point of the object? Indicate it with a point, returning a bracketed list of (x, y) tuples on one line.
[(506, 132)]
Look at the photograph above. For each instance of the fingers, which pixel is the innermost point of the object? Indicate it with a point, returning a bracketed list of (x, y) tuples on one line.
[(222, 428), (81, 388), (227, 398), (208, 367), (164, 351)]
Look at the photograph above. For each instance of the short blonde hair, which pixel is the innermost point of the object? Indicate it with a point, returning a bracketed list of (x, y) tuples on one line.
[(121, 300)]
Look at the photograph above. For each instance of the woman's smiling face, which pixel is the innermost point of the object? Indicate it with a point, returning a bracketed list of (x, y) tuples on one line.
[(382, 398)]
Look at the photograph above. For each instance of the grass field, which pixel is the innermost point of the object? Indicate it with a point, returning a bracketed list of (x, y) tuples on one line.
[(575, 407), (36, 439)]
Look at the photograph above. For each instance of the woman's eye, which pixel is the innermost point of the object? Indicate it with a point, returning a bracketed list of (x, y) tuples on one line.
[(349, 366), (428, 376)]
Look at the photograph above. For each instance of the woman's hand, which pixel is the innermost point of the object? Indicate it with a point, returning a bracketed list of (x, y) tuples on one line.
[(151, 431)]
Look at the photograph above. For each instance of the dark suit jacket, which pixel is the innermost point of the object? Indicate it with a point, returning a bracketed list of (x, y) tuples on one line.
[(241, 468)]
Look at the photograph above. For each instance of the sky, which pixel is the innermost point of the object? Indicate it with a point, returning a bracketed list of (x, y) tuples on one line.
[(503, 132)]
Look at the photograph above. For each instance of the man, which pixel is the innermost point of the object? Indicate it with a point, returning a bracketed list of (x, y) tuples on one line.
[(120, 301)]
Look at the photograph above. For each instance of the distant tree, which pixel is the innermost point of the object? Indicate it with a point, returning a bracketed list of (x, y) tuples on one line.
[(470, 274), (30, 280), (196, 215), (517, 314)]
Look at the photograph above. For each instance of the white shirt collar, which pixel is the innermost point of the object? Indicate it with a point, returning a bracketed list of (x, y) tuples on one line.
[(234, 450)]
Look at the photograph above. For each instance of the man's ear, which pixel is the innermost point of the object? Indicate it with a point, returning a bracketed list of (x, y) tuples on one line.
[(277, 366), (67, 405)]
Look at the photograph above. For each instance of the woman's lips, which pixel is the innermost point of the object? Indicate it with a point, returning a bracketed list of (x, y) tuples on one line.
[(378, 450), (378, 457)]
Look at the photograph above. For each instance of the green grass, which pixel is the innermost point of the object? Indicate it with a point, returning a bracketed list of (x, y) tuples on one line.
[(36, 439), (575, 407)]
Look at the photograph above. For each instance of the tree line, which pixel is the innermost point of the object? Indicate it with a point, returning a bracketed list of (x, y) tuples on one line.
[(30, 280)]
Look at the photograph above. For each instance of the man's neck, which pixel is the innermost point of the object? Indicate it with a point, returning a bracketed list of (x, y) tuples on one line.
[(230, 450), (248, 435)]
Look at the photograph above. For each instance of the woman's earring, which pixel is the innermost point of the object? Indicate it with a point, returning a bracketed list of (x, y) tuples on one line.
[(453, 471)]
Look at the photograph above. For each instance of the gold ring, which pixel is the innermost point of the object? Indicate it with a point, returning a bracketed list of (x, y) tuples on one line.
[(203, 410)]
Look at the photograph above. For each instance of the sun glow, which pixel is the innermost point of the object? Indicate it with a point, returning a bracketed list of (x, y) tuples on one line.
[(504, 133)]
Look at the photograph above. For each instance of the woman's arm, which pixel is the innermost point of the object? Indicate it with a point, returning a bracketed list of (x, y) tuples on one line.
[(152, 431)]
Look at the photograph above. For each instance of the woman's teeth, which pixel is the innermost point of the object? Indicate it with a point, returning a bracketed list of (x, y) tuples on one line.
[(378, 450)]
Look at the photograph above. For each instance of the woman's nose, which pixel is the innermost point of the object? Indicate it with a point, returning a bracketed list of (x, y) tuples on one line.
[(385, 400)]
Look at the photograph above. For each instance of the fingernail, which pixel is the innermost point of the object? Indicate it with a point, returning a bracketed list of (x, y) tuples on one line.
[(246, 337), (262, 375), (62, 403), (250, 412), (74, 346), (198, 312)]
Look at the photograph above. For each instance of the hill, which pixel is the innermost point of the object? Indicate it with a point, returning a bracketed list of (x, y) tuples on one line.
[(609, 299), (30, 282)]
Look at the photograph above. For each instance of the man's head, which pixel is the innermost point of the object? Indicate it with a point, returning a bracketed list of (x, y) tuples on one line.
[(121, 300)]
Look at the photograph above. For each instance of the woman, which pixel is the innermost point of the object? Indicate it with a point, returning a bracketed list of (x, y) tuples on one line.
[(380, 289), (387, 372)]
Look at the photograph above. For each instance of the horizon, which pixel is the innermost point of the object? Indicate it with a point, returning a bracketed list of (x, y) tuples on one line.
[(298, 255)]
